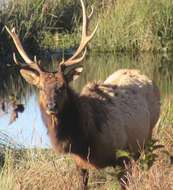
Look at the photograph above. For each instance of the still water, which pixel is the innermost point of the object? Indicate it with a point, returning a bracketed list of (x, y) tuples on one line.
[(29, 129)]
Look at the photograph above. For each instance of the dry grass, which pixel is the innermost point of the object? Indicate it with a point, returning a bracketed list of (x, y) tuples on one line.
[(38, 169), (160, 175), (55, 174)]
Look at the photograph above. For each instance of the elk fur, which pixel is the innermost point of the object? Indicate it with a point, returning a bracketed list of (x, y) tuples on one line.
[(118, 113)]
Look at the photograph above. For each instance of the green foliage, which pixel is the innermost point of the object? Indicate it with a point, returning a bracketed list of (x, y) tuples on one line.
[(148, 156), (35, 17), (136, 25), (59, 40), (122, 154), (131, 26)]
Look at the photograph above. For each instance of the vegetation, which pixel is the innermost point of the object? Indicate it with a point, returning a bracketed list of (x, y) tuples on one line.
[(132, 26), (136, 25), (34, 21)]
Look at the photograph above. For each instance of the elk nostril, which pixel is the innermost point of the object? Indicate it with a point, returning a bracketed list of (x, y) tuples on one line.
[(51, 106)]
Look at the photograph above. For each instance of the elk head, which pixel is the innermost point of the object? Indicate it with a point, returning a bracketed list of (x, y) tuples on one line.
[(53, 85)]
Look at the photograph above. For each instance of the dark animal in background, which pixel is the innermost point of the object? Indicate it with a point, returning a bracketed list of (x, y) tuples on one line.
[(118, 113)]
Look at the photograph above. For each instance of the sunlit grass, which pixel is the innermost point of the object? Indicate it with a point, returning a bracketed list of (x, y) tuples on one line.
[(136, 25), (35, 20), (124, 26), (128, 26)]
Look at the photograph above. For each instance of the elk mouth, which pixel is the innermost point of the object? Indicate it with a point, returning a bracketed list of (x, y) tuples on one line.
[(51, 112), (51, 108)]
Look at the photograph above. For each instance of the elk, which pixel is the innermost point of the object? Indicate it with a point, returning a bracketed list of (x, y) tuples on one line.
[(118, 113)]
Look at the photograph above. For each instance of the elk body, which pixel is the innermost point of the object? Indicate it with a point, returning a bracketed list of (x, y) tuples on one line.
[(118, 113)]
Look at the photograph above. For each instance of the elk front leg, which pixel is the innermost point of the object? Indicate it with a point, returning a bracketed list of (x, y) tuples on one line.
[(85, 176)]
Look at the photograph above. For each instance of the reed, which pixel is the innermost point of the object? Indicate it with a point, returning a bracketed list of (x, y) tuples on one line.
[(136, 25), (132, 26)]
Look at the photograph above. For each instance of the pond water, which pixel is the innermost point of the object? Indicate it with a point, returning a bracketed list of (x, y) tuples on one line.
[(29, 129)]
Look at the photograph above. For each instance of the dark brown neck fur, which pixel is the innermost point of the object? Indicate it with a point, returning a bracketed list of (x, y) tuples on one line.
[(68, 135), (70, 122)]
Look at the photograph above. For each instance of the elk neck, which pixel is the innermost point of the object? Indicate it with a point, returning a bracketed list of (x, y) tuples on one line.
[(67, 132)]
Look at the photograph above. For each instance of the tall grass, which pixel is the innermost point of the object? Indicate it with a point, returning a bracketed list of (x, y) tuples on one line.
[(35, 19), (127, 26), (136, 25)]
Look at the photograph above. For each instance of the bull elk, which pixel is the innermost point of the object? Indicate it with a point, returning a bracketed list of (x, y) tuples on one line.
[(118, 113)]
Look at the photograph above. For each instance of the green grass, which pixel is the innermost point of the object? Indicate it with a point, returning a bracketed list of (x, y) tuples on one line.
[(34, 20), (128, 26), (136, 25), (133, 26)]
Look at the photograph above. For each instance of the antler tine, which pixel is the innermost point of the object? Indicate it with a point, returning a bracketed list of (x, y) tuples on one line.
[(84, 39), (78, 60), (91, 13), (15, 60), (32, 64)]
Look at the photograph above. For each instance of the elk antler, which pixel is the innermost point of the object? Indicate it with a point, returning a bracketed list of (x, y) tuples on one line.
[(33, 64), (84, 39), (73, 60)]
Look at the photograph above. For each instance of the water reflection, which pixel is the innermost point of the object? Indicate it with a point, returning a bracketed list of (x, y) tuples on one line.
[(29, 128)]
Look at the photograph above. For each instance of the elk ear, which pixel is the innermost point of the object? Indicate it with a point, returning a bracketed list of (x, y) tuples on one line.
[(71, 73), (31, 77)]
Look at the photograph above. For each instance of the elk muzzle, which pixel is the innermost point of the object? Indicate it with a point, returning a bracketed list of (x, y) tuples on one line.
[(51, 108)]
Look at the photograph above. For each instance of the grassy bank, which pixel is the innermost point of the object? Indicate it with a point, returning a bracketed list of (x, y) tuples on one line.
[(128, 26), (43, 169), (134, 25)]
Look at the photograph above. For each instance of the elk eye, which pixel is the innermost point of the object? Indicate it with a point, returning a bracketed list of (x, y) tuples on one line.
[(41, 88)]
